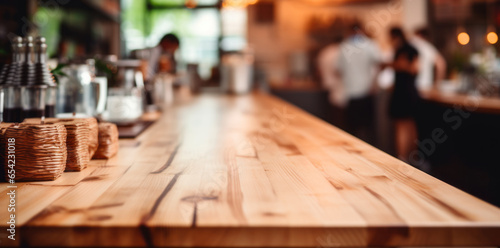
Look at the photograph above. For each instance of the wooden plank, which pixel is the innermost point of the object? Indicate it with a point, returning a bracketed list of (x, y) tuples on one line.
[(28, 200)]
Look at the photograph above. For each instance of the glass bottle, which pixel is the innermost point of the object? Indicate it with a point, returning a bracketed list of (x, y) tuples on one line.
[(32, 83), (12, 93), (44, 77)]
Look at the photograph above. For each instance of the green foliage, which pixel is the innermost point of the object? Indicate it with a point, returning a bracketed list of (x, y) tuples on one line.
[(169, 3), (49, 20), (133, 14), (177, 19), (57, 72)]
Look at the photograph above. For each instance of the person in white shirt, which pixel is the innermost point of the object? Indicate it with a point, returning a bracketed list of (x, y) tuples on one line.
[(158, 58), (162, 57), (357, 65), (327, 64), (429, 59)]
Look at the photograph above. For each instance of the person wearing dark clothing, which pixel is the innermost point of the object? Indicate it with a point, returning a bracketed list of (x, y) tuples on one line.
[(405, 98)]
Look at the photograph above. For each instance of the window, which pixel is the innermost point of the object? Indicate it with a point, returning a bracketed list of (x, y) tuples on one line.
[(199, 29)]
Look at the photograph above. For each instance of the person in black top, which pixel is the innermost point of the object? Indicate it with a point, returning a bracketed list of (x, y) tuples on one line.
[(405, 99)]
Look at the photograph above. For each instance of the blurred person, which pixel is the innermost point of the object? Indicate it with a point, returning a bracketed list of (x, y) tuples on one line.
[(163, 56), (160, 58), (327, 64), (357, 65), (430, 59), (405, 98)]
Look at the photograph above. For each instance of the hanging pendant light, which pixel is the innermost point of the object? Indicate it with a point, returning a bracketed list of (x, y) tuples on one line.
[(491, 32), (463, 37), (238, 3), (191, 4), (491, 35)]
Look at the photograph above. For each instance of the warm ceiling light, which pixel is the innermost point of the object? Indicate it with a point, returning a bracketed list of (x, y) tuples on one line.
[(238, 3), (463, 38), (191, 4), (492, 37)]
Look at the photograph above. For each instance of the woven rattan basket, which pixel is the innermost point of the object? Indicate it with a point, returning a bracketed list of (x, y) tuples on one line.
[(108, 140), (93, 135), (93, 139), (40, 151), (77, 144)]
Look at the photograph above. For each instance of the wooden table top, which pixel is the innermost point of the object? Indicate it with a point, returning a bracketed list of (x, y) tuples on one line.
[(483, 104), (228, 171)]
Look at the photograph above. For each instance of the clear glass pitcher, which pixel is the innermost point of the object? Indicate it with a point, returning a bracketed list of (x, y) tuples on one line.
[(80, 92)]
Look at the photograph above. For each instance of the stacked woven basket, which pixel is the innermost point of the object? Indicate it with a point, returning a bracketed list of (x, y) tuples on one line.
[(44, 150), (108, 141), (40, 151)]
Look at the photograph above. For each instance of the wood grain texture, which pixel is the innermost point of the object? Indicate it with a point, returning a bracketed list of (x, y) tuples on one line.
[(248, 171)]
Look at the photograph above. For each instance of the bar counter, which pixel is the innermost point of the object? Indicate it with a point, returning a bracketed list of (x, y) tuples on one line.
[(253, 171), (482, 104)]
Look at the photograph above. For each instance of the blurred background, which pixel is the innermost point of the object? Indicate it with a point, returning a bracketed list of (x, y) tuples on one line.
[(418, 79)]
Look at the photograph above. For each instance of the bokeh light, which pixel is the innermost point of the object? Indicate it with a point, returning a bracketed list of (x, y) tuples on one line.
[(492, 37), (463, 38)]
